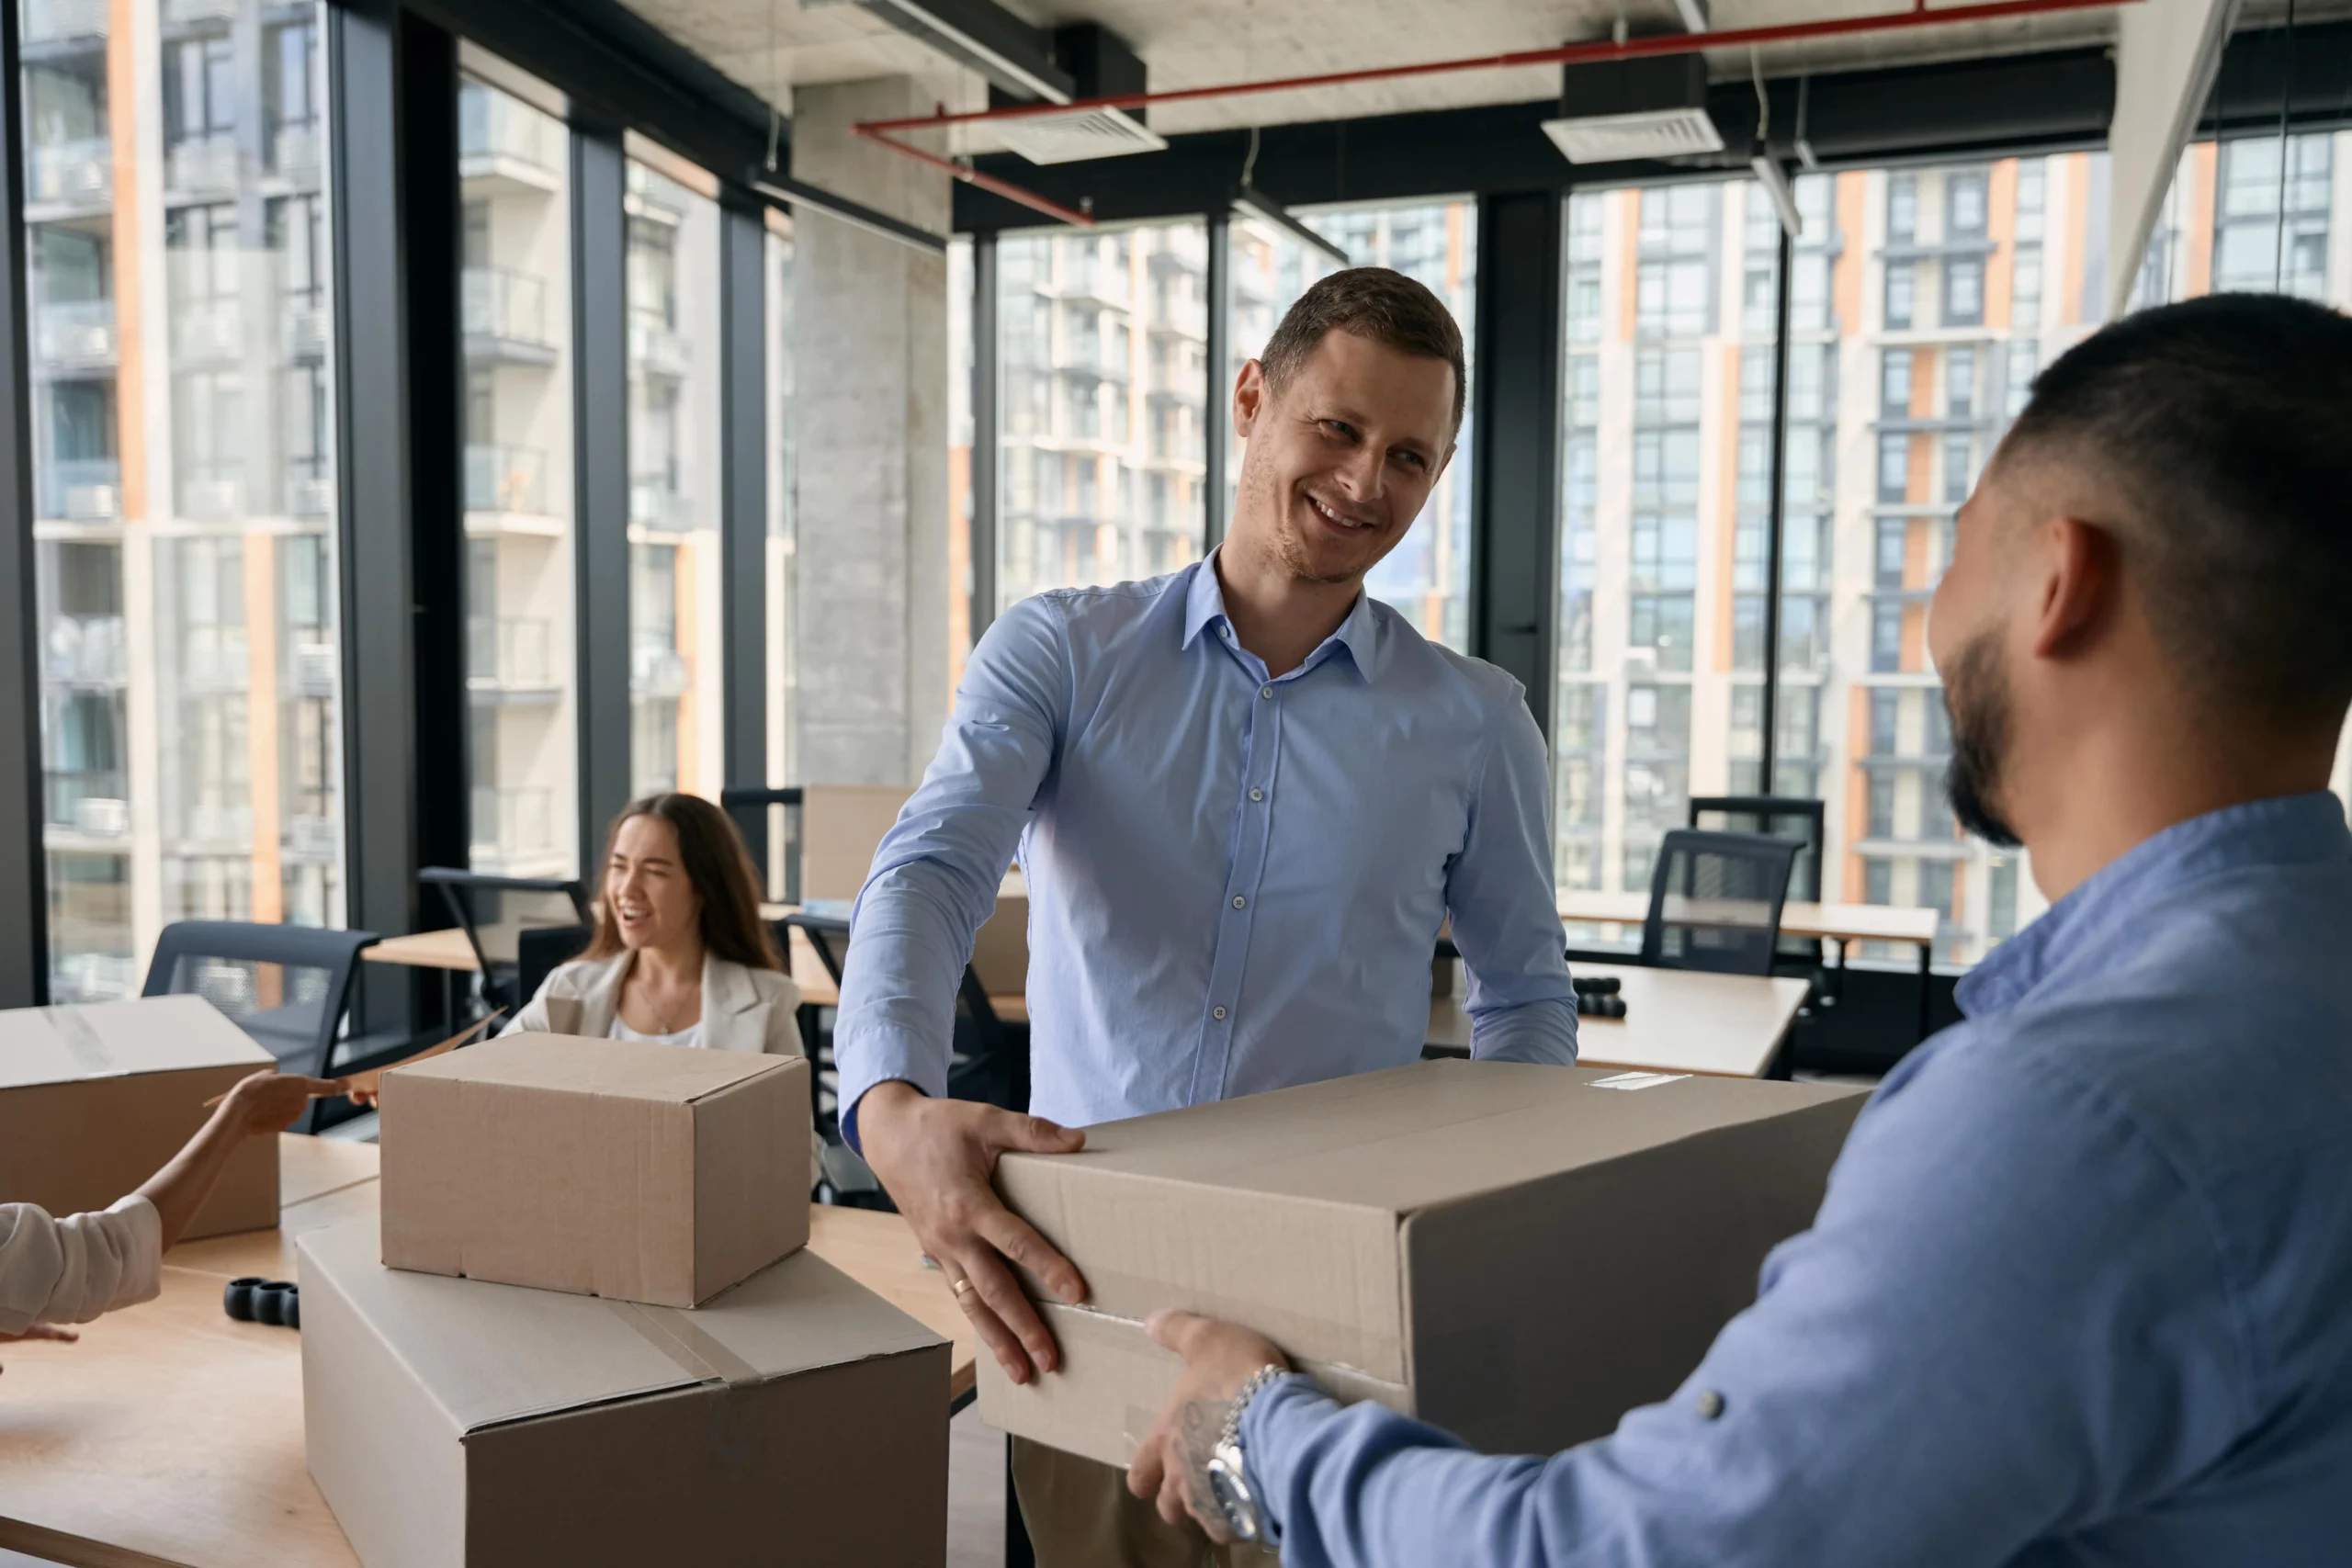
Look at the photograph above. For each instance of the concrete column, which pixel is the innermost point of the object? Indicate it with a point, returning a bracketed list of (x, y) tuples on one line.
[(870, 319)]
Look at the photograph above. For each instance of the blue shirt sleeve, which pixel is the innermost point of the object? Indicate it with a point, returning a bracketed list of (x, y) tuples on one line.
[(1506, 919), (936, 873), (2004, 1326)]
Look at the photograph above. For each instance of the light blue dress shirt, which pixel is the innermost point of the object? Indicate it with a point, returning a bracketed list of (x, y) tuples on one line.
[(2080, 1290), (1235, 880)]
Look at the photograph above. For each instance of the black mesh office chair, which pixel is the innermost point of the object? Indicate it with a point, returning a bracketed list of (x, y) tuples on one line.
[(494, 911), (288, 987), (1798, 820), (1715, 902), (748, 804)]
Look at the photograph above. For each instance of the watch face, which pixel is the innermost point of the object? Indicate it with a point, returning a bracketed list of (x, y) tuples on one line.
[(1232, 1493)]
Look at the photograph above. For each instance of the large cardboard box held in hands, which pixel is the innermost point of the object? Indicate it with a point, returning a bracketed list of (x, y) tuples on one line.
[(797, 1419), (609, 1167), (1519, 1254), (93, 1100)]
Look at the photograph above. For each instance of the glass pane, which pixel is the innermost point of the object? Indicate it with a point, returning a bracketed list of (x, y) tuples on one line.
[(1428, 575), (183, 474), (1102, 346), (674, 652), (961, 367), (784, 540), (1268, 269), (516, 325)]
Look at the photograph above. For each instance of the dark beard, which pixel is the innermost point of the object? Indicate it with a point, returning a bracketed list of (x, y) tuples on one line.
[(1977, 699)]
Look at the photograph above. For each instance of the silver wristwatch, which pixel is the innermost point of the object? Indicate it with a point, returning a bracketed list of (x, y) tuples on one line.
[(1228, 1476)]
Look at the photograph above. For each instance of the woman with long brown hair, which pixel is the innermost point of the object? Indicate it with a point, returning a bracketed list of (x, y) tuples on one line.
[(679, 954)]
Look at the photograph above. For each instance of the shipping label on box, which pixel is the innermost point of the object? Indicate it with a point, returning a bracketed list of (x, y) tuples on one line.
[(1513, 1252), (797, 1420), (607, 1167), (95, 1100)]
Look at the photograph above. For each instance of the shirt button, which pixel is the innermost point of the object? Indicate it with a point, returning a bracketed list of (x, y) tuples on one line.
[(1265, 691), (1711, 1405), (1239, 902), (1217, 1013), (1257, 794)]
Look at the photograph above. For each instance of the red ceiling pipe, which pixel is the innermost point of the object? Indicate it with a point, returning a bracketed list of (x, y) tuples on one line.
[(882, 130)]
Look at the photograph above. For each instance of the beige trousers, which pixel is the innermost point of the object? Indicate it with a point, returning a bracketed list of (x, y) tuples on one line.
[(1080, 1515)]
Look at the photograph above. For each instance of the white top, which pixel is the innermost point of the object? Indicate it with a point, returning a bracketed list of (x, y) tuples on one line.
[(70, 1270), (690, 1035)]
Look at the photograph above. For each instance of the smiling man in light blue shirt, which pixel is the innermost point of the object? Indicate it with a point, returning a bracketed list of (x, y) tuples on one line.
[(1246, 798), (2081, 1289)]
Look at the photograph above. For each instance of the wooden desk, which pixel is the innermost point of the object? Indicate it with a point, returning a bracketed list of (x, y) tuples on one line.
[(171, 1435), (1676, 1021), (1841, 923), (425, 950), (817, 987)]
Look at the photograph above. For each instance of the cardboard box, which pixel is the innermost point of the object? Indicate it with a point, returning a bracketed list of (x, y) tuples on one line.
[(95, 1100), (1519, 1254), (797, 1419), (609, 1167)]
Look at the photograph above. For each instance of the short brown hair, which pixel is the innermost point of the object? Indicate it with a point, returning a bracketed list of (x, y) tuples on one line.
[(718, 866), (1373, 303)]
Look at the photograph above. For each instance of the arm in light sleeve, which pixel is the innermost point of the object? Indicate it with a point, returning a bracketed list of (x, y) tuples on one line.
[(1985, 1341), (72, 1269), (1506, 919), (936, 873)]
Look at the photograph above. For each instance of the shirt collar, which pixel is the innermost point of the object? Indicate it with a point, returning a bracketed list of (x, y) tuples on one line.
[(1204, 611), (2285, 830)]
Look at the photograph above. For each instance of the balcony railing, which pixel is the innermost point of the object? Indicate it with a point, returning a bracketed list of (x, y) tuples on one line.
[(511, 819), (652, 503), (217, 824), (314, 668), (508, 306), (510, 652), (655, 668), (69, 172), (201, 165), (68, 332), (96, 801), (294, 151), (491, 125), (656, 347), (311, 838), (54, 21), (507, 479), (305, 324), (208, 330), (185, 13), (309, 488), (214, 492), (215, 656), (82, 490), (84, 651)]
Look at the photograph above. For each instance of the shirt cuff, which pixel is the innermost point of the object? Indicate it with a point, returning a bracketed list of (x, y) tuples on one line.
[(1275, 1430)]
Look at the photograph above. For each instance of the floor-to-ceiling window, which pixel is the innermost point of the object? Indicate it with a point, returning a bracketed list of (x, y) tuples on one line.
[(1102, 340), (516, 321), (675, 734), (1267, 268), (783, 532), (183, 473)]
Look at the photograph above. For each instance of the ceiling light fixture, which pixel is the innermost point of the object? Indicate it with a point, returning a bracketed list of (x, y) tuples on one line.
[(1251, 202)]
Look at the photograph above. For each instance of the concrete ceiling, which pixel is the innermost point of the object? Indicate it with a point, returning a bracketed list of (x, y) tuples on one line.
[(772, 45)]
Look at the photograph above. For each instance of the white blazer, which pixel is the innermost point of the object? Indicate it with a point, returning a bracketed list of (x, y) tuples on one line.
[(755, 1010)]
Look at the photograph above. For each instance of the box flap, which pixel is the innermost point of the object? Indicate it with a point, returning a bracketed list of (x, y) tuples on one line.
[(622, 1069), (492, 1353), (1432, 1133), (145, 1035)]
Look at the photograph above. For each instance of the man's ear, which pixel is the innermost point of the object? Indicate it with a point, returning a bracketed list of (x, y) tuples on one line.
[(1251, 396), (2082, 566)]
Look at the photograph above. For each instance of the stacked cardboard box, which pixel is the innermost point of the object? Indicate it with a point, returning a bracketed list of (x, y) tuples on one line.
[(1519, 1254), (669, 1377), (95, 1100)]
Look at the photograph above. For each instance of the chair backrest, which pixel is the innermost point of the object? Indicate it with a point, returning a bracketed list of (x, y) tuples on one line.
[(495, 911), (1715, 902), (538, 949), (841, 826), (750, 806), (1774, 816), (286, 986)]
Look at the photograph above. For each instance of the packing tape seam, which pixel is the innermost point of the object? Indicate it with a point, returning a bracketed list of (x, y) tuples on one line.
[(689, 1349), (86, 1046)]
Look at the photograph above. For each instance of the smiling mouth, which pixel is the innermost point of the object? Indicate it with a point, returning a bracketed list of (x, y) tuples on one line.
[(1341, 520)]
